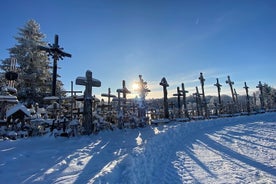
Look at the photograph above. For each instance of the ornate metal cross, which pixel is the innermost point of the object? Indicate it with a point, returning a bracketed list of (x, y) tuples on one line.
[(57, 53)]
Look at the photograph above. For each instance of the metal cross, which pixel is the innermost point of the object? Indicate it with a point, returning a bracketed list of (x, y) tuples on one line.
[(57, 53)]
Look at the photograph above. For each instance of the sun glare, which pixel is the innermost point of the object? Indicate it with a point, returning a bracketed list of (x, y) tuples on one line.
[(135, 86)]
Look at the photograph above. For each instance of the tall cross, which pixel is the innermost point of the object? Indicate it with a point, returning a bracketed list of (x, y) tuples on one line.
[(57, 53), (124, 91), (178, 94), (202, 80), (260, 86), (247, 97), (165, 84), (218, 85), (231, 87), (184, 100), (88, 82)]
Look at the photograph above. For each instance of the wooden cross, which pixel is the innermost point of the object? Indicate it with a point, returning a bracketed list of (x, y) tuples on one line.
[(260, 86), (124, 91), (108, 95), (184, 100), (218, 85), (57, 53), (247, 97), (73, 94), (88, 82), (202, 80), (165, 84), (231, 87), (198, 102), (178, 94)]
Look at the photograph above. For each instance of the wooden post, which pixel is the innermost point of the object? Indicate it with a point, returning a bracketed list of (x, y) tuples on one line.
[(165, 84), (88, 82)]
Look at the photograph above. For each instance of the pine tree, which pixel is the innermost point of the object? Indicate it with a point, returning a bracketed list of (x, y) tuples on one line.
[(33, 65)]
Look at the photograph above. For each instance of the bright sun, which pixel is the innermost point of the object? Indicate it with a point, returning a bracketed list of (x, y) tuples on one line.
[(135, 86)]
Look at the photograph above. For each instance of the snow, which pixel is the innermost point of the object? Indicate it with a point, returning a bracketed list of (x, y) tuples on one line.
[(16, 108), (225, 150)]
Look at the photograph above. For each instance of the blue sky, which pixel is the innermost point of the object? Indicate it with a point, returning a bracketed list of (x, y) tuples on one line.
[(119, 40)]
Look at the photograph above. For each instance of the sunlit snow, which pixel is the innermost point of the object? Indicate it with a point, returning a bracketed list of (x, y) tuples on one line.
[(227, 150)]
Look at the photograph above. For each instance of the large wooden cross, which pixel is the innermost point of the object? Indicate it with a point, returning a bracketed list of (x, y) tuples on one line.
[(218, 85), (202, 80), (88, 82), (231, 87), (165, 84)]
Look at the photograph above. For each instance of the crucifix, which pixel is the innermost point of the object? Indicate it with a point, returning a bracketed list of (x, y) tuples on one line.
[(231, 87), (184, 100), (108, 95), (260, 86), (247, 97), (178, 94), (165, 84), (202, 80), (57, 53), (218, 85), (88, 82)]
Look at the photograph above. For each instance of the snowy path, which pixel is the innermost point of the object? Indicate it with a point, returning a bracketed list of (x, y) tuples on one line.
[(230, 150)]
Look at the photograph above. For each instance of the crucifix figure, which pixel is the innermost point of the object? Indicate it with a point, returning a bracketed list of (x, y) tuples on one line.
[(57, 53), (165, 84), (88, 82)]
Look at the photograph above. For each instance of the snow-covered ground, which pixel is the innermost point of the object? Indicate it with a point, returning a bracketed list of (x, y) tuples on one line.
[(229, 150)]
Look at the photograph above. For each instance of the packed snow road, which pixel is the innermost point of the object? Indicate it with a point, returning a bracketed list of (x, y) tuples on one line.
[(230, 150)]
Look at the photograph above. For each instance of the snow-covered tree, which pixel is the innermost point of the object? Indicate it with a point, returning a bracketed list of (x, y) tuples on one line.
[(33, 65)]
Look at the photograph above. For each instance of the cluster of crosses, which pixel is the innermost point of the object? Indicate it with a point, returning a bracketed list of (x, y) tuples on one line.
[(202, 108), (89, 82)]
